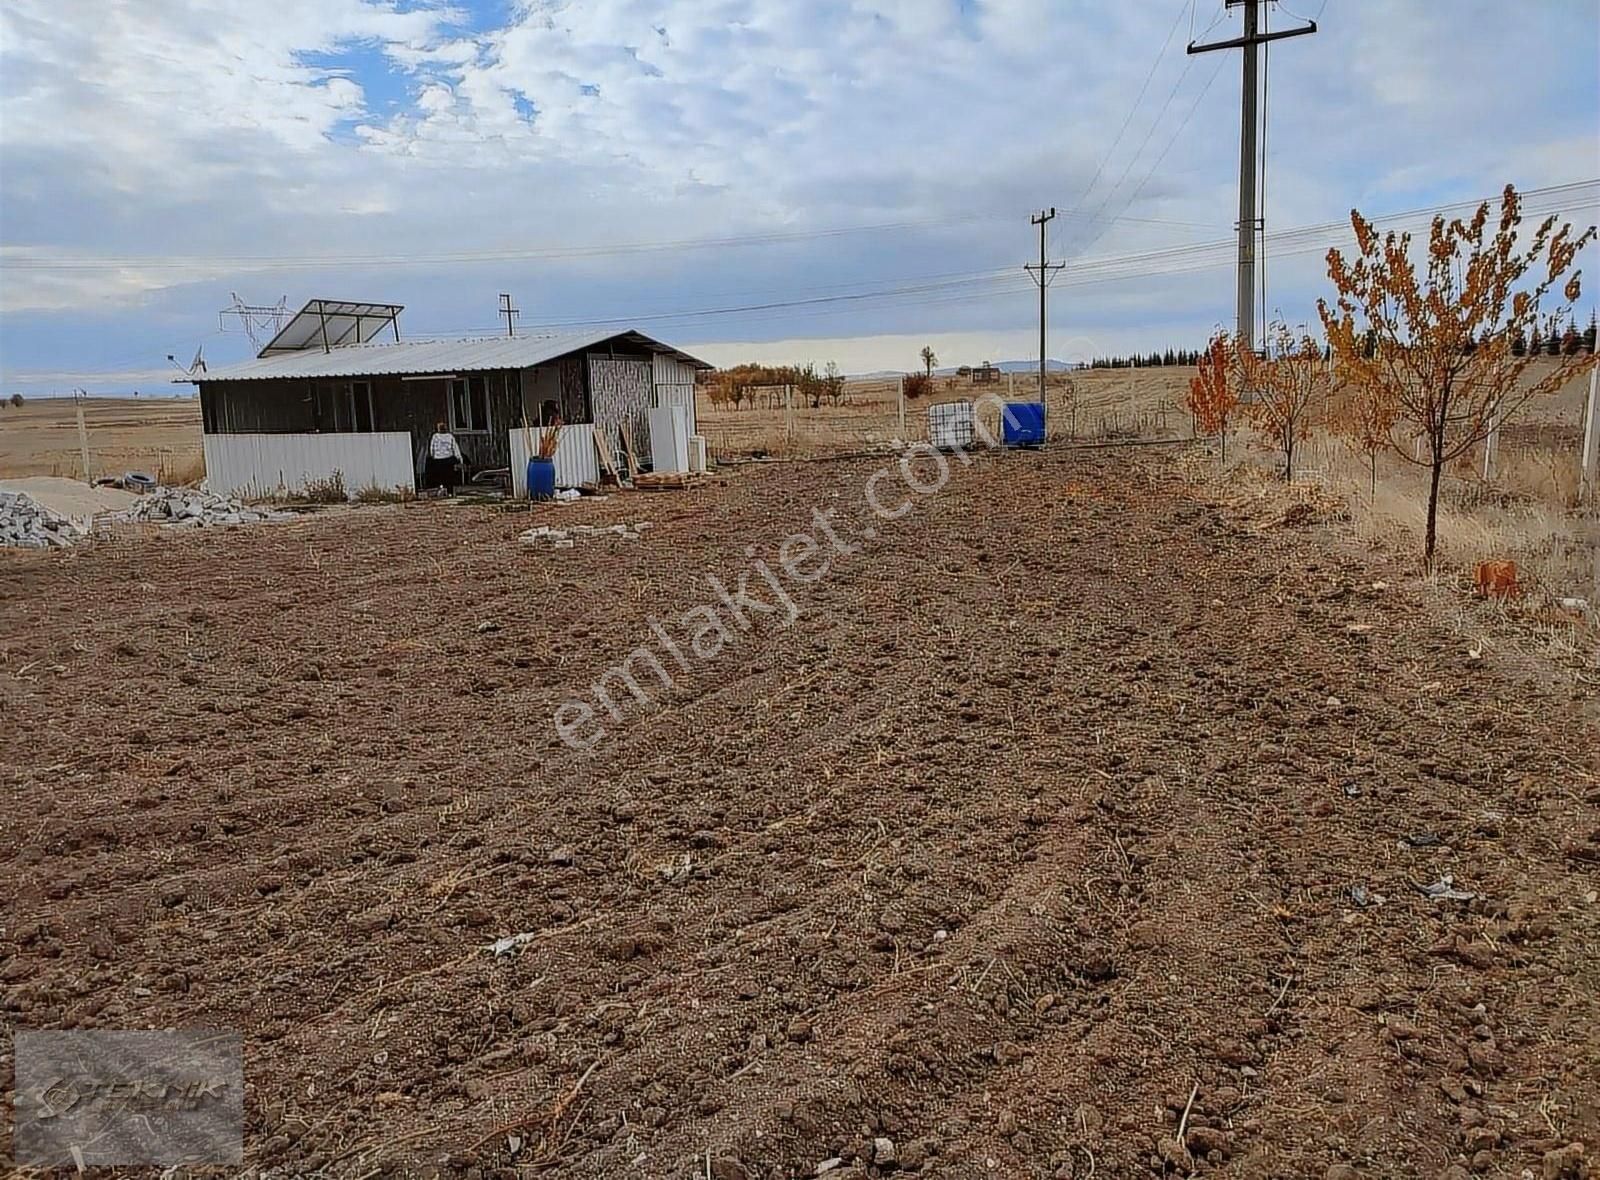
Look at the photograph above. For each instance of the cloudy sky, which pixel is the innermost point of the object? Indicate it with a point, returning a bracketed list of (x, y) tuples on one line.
[(753, 179)]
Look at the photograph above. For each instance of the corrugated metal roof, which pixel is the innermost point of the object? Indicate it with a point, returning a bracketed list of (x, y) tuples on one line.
[(432, 356)]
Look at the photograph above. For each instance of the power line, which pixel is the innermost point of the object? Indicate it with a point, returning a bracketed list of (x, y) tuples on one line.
[(1133, 110), (1148, 135), (1172, 260), (1250, 218), (1194, 107), (303, 262), (967, 288)]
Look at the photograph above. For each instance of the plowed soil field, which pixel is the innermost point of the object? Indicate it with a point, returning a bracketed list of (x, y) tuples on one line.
[(1070, 810)]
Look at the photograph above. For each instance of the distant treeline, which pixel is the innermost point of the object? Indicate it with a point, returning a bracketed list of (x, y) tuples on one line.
[(1148, 360), (1569, 341)]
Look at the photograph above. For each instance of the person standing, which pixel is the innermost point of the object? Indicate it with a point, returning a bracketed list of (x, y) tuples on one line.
[(444, 468)]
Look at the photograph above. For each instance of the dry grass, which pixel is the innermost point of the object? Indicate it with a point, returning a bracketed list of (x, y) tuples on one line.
[(156, 435), (1525, 513), (1100, 404), (181, 469)]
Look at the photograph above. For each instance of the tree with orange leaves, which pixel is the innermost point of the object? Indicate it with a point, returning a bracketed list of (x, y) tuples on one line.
[(1434, 351), (1366, 418), (1288, 388), (1212, 394)]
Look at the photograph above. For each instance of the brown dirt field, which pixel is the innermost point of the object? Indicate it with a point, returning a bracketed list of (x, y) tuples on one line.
[(1045, 811), (40, 437)]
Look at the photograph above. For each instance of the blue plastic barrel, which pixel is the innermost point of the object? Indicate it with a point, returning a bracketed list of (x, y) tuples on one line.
[(541, 479), (1023, 424)]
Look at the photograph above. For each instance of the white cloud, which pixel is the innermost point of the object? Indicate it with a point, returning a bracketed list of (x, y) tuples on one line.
[(197, 129)]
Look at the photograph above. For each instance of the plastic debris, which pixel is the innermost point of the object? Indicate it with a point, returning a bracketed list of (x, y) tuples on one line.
[(1364, 900), (511, 942), (1444, 889), (1420, 840)]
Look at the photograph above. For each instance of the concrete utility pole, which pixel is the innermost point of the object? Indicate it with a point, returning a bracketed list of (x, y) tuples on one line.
[(1250, 219), (79, 396), (1590, 456), (1045, 269)]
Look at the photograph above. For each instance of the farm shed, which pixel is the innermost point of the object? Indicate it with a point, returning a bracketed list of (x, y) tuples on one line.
[(326, 396)]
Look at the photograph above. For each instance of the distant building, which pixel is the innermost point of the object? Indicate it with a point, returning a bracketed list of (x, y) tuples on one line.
[(985, 374), (324, 396)]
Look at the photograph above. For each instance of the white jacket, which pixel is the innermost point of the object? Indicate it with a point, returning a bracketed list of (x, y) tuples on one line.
[(443, 446)]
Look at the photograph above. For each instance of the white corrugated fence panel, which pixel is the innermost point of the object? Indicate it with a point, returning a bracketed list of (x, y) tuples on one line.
[(576, 462), (269, 464), (678, 394), (669, 438)]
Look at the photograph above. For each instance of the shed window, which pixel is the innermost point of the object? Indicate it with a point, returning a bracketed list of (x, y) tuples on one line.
[(469, 405)]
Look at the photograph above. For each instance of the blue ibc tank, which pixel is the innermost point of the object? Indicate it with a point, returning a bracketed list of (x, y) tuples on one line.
[(541, 479), (1023, 424)]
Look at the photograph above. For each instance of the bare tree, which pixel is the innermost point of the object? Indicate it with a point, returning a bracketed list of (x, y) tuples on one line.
[(833, 381), (1289, 387), (928, 360)]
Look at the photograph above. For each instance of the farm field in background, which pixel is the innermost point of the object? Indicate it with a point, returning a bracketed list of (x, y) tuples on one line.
[(160, 436), (1115, 809), (1525, 512)]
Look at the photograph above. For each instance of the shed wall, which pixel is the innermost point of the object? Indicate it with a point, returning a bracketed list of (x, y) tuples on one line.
[(576, 463), (621, 391), (266, 464), (411, 406)]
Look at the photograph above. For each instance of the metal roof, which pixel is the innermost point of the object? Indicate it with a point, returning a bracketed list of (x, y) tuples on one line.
[(434, 356), (330, 323)]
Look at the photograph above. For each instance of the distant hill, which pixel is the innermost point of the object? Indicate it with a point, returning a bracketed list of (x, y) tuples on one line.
[(1053, 366)]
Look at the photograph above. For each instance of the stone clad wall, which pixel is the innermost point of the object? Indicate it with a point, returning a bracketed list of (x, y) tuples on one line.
[(620, 390)]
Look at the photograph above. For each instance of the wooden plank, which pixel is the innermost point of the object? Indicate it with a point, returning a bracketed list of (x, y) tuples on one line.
[(627, 448), (604, 449)]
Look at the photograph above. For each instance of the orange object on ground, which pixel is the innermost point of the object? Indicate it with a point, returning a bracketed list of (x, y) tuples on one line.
[(1498, 579)]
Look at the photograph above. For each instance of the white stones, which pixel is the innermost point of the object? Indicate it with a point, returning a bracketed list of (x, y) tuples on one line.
[(564, 538), (26, 524)]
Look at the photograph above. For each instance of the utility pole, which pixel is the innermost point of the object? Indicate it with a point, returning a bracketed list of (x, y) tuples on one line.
[(1250, 219), (510, 314), (1045, 269), (79, 396)]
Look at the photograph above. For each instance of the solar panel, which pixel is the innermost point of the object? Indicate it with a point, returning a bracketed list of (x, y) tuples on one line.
[(327, 324)]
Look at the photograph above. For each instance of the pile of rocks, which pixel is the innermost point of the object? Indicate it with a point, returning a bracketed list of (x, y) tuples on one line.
[(563, 538), (26, 524), (192, 508)]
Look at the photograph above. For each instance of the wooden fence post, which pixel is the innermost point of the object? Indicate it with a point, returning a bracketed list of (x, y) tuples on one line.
[(900, 392), (788, 411)]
